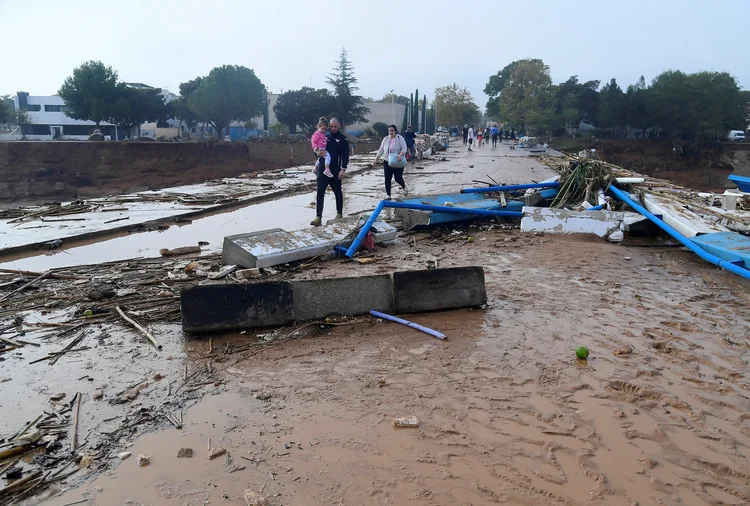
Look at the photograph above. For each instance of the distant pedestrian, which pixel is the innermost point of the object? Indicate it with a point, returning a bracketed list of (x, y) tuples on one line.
[(487, 135), (338, 147), (394, 149), (500, 134), (466, 133), (513, 139), (319, 141), (411, 139), (494, 133), (480, 135), (470, 136)]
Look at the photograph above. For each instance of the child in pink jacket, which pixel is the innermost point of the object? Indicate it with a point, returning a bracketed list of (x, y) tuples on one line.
[(319, 141)]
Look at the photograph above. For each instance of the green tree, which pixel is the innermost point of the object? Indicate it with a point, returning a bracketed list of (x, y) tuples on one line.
[(303, 108), (6, 109), (527, 99), (181, 108), (229, 93), (350, 108), (495, 86), (455, 106), (424, 115), (576, 101), (430, 129), (639, 105), (278, 128), (405, 122), (614, 110), (22, 119), (415, 111), (135, 106), (89, 92), (380, 128)]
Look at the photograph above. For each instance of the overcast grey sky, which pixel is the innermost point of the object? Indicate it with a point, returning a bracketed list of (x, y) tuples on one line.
[(393, 45)]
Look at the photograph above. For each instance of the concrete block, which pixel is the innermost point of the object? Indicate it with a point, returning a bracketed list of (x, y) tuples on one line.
[(242, 305), (236, 306), (341, 296), (437, 289), (564, 221), (268, 248)]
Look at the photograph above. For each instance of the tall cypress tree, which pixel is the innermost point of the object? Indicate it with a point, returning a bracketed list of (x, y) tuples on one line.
[(406, 118), (415, 111), (424, 115)]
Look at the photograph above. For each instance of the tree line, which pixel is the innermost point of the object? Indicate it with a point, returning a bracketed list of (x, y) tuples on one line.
[(675, 105), (228, 93)]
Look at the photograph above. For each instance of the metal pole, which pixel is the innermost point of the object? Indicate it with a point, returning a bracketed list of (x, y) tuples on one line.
[(511, 187), (393, 110)]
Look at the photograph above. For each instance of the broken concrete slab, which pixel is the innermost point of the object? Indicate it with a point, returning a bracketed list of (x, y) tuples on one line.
[(437, 289), (241, 306), (605, 224), (232, 306), (343, 296), (268, 248)]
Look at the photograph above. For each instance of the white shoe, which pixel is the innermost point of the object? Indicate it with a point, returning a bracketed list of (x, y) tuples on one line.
[(405, 191)]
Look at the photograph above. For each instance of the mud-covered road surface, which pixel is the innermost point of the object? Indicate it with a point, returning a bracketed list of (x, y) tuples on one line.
[(658, 414)]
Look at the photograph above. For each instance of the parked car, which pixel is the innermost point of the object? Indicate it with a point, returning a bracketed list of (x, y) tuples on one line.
[(736, 136)]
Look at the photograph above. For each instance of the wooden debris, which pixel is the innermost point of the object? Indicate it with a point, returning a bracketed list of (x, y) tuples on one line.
[(74, 431), (139, 328), (27, 285)]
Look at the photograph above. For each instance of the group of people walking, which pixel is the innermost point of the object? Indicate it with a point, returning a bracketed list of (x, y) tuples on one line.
[(331, 148), (484, 135), (332, 152)]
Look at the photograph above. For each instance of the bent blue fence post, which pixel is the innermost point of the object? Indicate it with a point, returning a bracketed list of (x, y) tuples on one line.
[(708, 257), (365, 228), (512, 187), (454, 210), (422, 207), (433, 333)]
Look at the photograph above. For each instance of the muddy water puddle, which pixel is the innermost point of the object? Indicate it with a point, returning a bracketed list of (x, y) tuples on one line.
[(290, 213)]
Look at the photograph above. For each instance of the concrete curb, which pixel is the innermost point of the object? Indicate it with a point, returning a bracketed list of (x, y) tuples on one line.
[(240, 306)]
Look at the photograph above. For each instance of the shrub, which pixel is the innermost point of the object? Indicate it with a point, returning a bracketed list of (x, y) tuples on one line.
[(380, 128)]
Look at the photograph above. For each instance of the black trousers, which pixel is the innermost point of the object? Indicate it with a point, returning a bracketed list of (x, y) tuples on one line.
[(494, 140), (323, 183), (390, 173)]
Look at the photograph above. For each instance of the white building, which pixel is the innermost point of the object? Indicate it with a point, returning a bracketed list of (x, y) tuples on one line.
[(49, 121)]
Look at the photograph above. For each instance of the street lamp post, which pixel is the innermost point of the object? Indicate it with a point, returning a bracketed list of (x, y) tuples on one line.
[(393, 110)]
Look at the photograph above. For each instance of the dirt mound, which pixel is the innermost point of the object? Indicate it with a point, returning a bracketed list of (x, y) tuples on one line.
[(38, 171)]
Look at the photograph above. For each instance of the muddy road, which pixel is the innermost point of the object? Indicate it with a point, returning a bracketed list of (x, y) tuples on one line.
[(656, 415)]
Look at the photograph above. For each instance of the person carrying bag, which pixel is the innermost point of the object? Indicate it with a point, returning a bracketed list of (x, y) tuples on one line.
[(394, 148)]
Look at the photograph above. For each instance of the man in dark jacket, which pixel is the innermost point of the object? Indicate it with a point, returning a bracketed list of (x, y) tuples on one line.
[(338, 147), (411, 139)]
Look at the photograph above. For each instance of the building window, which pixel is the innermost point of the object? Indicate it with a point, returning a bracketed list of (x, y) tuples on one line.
[(54, 108), (33, 107), (37, 130), (75, 130), (162, 124), (192, 130)]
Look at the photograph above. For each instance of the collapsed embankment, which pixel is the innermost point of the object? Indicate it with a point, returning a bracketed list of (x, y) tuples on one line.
[(38, 171), (705, 168)]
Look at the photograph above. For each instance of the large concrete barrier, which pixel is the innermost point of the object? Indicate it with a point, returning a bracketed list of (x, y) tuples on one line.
[(266, 304), (437, 289)]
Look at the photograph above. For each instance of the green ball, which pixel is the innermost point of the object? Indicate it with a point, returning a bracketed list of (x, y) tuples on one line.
[(88, 312), (582, 353)]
